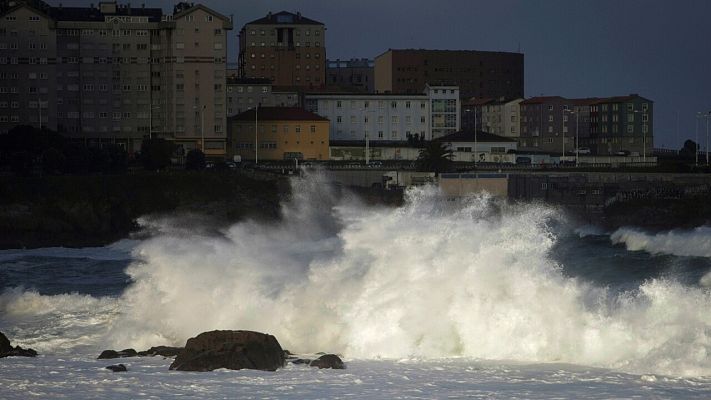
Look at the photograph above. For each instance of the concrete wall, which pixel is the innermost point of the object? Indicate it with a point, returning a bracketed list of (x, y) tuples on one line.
[(457, 185)]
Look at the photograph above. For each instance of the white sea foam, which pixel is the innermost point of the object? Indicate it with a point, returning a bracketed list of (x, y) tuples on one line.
[(695, 242), (428, 280)]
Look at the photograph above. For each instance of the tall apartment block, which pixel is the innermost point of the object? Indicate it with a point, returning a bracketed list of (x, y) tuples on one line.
[(115, 73), (476, 73), (288, 49)]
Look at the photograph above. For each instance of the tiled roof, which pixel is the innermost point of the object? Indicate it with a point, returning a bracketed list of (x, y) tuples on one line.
[(284, 17), (468, 136), (278, 114), (542, 99), (477, 102)]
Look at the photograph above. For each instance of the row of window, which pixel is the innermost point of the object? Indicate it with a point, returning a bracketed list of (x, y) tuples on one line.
[(31, 46), (31, 18), (279, 44), (395, 119), (595, 108), (297, 32), (99, 60), (381, 104)]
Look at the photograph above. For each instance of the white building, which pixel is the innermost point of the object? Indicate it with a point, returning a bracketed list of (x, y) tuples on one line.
[(388, 117), (484, 147)]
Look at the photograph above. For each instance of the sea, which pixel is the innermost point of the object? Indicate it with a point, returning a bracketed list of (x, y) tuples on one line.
[(460, 298)]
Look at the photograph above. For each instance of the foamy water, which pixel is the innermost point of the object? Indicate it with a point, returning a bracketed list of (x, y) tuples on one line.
[(432, 279), (695, 242)]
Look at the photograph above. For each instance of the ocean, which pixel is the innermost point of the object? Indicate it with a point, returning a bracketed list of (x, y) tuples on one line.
[(439, 298)]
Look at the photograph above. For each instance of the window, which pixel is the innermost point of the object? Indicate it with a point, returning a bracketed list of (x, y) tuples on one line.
[(313, 128)]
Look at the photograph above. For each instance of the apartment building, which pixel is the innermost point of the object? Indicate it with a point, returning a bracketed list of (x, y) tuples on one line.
[(281, 133), (501, 118), (388, 117), (246, 93), (354, 75), (288, 49), (116, 73), (477, 73), (605, 126)]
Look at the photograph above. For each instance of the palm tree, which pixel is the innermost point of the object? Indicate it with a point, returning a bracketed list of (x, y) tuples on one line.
[(435, 157)]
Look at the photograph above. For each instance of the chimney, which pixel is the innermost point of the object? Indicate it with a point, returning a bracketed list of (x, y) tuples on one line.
[(269, 15), (298, 15), (143, 5)]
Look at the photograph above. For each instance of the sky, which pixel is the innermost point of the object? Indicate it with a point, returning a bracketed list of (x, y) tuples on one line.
[(659, 49)]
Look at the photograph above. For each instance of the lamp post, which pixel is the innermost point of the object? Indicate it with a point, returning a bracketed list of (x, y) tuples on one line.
[(696, 144), (202, 129), (577, 138), (476, 151), (644, 136), (256, 143), (367, 136)]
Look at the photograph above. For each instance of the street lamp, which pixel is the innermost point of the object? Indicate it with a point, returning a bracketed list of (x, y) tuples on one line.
[(256, 143), (577, 138), (476, 150), (367, 137), (644, 135)]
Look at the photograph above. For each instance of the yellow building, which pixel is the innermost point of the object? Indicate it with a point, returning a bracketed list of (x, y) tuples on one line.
[(281, 133)]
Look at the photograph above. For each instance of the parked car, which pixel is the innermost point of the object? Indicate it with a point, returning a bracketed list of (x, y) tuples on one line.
[(523, 160), (583, 150), (623, 153)]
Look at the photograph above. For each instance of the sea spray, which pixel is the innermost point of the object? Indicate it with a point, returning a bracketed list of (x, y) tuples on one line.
[(695, 242), (433, 278)]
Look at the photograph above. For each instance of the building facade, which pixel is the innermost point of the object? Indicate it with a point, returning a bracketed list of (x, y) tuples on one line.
[(388, 117), (476, 73), (354, 75), (602, 126), (288, 49), (246, 93), (482, 147), (116, 74), (501, 118), (280, 133)]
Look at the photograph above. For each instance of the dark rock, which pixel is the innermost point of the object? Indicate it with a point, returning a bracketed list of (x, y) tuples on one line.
[(19, 352), (301, 361), (109, 354), (4, 344), (232, 350), (165, 351), (117, 368), (6, 349), (328, 361)]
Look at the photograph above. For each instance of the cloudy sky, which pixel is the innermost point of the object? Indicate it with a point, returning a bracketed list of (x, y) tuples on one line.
[(660, 49)]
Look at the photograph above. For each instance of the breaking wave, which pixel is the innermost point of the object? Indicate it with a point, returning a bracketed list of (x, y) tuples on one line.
[(695, 243), (430, 279)]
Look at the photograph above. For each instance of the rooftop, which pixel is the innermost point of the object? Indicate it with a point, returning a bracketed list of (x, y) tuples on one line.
[(284, 17), (278, 114), (468, 136)]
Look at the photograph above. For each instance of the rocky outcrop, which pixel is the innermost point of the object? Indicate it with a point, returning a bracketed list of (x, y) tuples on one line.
[(165, 351), (117, 368), (109, 354), (232, 350), (6, 349), (4, 344), (328, 361)]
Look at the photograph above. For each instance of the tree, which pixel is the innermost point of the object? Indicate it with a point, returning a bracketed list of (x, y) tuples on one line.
[(435, 157), (21, 163), (53, 161), (689, 150), (195, 160), (156, 153)]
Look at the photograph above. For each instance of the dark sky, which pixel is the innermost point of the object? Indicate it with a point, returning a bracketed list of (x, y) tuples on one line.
[(660, 49)]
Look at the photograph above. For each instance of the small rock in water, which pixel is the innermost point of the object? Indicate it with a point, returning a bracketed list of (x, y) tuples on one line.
[(328, 361), (6, 349), (108, 354), (165, 351), (117, 368), (301, 361)]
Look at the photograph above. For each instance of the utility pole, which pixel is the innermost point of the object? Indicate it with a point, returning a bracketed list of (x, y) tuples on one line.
[(256, 143)]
